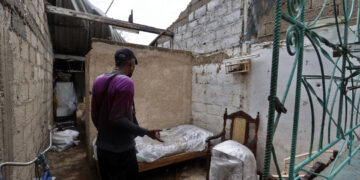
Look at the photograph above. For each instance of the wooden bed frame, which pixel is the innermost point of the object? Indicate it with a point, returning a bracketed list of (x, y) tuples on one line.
[(164, 161), (234, 117)]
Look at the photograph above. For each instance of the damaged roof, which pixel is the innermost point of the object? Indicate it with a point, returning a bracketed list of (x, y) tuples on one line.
[(73, 36)]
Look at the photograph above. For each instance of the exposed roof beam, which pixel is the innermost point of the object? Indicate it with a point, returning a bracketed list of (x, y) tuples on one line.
[(69, 57), (101, 19), (155, 40)]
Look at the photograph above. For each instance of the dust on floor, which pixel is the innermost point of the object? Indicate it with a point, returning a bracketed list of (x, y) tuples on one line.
[(71, 164)]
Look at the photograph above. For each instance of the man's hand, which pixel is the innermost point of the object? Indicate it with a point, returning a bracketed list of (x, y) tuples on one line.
[(154, 134)]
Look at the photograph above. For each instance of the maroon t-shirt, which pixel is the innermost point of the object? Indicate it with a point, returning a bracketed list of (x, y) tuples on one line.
[(112, 113)]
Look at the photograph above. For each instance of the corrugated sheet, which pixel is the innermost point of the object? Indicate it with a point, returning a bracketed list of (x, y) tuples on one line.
[(73, 36)]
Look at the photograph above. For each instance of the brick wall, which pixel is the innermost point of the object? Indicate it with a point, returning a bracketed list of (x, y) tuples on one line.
[(26, 78)]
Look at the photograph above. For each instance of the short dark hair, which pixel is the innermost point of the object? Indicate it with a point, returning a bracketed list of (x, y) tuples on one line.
[(123, 55)]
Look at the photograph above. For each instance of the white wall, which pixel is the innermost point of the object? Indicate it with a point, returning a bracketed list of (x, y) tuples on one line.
[(214, 90), (258, 82)]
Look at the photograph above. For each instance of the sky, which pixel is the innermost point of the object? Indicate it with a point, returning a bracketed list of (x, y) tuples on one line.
[(155, 13)]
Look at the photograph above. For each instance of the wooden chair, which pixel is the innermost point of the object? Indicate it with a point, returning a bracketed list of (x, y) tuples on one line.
[(240, 129), (243, 129)]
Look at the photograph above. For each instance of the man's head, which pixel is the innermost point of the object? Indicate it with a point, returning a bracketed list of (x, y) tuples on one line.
[(125, 61)]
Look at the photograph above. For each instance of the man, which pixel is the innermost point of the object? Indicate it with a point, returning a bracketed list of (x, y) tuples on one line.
[(113, 114)]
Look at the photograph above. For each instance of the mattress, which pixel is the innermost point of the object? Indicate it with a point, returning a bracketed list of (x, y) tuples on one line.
[(179, 139)]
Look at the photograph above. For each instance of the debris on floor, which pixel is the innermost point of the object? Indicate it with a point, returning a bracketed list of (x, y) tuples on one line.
[(63, 140)]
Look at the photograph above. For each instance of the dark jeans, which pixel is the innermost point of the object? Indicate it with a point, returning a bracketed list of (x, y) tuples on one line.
[(118, 166)]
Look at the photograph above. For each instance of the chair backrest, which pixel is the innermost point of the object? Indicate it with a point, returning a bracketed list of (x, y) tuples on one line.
[(243, 129)]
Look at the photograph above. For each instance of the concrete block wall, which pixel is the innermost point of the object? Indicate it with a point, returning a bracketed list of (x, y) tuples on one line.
[(162, 98), (213, 90), (25, 83), (214, 25), (212, 31)]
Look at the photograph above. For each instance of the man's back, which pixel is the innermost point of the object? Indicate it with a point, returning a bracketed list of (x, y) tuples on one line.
[(112, 112)]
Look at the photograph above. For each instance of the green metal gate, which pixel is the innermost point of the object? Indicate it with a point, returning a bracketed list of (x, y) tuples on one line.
[(343, 57)]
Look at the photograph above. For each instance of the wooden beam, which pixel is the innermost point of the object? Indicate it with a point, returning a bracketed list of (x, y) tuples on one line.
[(105, 20), (164, 161), (69, 57), (155, 40)]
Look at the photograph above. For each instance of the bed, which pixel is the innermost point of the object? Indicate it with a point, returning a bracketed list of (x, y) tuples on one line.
[(185, 142), (181, 143)]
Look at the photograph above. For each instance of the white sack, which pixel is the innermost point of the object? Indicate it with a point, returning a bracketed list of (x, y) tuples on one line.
[(231, 160)]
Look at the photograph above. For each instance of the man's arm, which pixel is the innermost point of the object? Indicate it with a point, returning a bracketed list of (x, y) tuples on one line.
[(124, 124)]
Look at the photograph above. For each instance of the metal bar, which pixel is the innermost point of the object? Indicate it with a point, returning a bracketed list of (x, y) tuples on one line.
[(315, 155), (29, 162), (273, 87), (337, 158), (337, 170), (325, 148), (105, 20), (295, 15), (297, 92)]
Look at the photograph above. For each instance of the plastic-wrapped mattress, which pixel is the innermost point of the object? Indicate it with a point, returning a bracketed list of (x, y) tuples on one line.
[(179, 139), (231, 160)]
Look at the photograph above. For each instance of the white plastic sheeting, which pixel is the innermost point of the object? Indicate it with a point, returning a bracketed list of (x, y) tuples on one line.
[(66, 98), (179, 139), (231, 160), (62, 140)]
